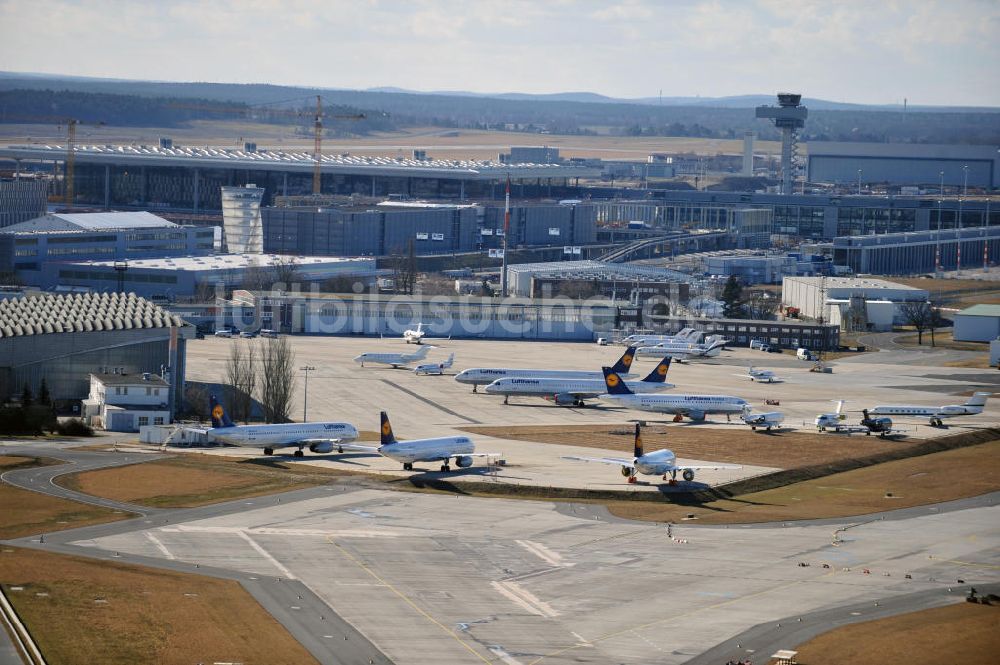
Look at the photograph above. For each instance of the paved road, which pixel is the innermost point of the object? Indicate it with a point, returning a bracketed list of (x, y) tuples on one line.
[(765, 639), (309, 620)]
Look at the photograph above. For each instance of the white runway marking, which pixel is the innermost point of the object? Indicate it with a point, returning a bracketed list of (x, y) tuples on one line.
[(271, 531), (264, 553), (524, 598), (159, 545), (504, 656), (543, 553)]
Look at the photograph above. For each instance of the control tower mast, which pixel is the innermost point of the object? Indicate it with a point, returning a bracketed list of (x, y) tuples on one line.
[(789, 116)]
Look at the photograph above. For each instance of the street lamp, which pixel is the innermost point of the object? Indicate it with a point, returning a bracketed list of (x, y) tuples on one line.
[(958, 233), (305, 394), (859, 182), (941, 191)]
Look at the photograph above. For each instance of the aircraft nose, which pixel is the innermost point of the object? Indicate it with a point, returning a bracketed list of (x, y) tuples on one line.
[(360, 358), (490, 388)]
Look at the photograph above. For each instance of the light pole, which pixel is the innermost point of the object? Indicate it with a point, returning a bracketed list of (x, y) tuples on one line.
[(941, 191), (305, 393), (958, 233), (859, 182)]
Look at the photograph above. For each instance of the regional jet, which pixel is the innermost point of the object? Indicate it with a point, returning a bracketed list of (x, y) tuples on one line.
[(394, 359), (695, 407), (761, 375), (572, 392), (434, 368), (687, 335), (656, 463), (319, 437), (440, 449), (972, 406), (682, 350), (766, 419), (478, 376)]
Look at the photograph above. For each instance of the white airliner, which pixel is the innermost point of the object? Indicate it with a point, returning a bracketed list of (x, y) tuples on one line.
[(762, 375), (972, 406), (695, 407), (394, 359), (766, 420), (687, 335), (680, 349), (434, 368), (319, 437), (439, 449), (656, 463), (480, 376), (566, 392)]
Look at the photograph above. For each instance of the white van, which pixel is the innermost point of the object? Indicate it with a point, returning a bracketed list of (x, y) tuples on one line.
[(804, 354)]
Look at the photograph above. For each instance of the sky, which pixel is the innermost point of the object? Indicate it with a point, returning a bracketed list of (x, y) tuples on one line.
[(873, 51)]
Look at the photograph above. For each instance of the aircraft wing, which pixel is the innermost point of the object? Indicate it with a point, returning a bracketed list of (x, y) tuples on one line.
[(477, 454), (620, 461), (358, 446), (706, 467), (327, 440)]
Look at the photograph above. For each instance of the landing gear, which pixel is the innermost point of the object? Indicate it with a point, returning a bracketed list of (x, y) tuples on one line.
[(269, 451), (936, 422), (445, 468), (475, 387), (407, 466), (631, 480), (299, 453), (505, 398)]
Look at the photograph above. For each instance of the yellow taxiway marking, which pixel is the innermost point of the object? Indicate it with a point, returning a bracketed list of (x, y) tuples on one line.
[(407, 600), (965, 563)]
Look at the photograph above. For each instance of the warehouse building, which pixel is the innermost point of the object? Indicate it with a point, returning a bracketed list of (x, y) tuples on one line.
[(22, 199), (64, 339), (170, 278), (916, 253), (186, 178), (851, 301), (740, 332), (616, 281), (979, 323), (904, 164), (33, 249), (434, 228)]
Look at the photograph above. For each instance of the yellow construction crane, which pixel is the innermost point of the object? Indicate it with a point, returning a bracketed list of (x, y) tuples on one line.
[(71, 125)]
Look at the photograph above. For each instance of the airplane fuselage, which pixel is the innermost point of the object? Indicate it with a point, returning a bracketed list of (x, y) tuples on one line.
[(286, 434), (578, 388), (486, 375), (428, 450), (926, 411), (693, 406), (656, 463)]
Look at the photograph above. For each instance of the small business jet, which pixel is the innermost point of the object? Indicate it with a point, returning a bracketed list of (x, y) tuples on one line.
[(657, 463), (972, 406), (880, 425), (681, 350), (318, 437), (573, 392), (833, 420), (393, 359), (761, 375), (480, 376), (439, 449), (687, 335), (767, 420), (414, 336), (434, 368), (695, 407)]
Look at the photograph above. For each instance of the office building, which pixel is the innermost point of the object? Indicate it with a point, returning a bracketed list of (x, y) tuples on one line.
[(904, 164), (917, 253), (22, 199), (242, 229)]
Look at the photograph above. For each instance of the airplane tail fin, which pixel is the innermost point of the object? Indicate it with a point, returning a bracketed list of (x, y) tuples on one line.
[(450, 361), (385, 432), (421, 353), (659, 373), (219, 416), (624, 363), (977, 399), (840, 406), (638, 440), (614, 383)]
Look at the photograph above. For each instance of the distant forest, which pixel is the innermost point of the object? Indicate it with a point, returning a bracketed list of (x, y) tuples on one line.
[(142, 103)]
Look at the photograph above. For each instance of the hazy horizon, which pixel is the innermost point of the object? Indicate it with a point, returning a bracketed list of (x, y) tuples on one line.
[(930, 53)]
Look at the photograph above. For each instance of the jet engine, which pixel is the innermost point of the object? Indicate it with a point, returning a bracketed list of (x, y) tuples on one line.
[(627, 471), (563, 399), (322, 447), (688, 475), (697, 415), (463, 461)]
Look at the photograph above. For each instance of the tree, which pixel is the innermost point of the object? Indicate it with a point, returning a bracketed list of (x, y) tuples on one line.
[(241, 375), (277, 379), (761, 305), (732, 299), (44, 398), (285, 271), (404, 270), (27, 399), (937, 320), (919, 315), (196, 401)]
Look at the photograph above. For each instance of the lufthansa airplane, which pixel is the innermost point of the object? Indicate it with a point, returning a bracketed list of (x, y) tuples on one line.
[(694, 407), (483, 376), (439, 449), (657, 463), (319, 437)]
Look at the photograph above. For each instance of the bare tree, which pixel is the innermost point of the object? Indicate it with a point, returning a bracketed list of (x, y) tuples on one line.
[(937, 320), (277, 379), (761, 305), (285, 270), (404, 269), (241, 375), (919, 315), (196, 401)]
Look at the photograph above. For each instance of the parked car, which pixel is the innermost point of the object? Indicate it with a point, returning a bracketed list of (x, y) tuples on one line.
[(773, 349), (223, 333), (248, 334), (602, 341), (267, 332), (757, 344), (804, 354)]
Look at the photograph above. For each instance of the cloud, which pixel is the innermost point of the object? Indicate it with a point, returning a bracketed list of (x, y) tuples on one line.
[(932, 51)]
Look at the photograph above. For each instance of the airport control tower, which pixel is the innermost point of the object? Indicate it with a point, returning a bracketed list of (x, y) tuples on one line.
[(789, 116)]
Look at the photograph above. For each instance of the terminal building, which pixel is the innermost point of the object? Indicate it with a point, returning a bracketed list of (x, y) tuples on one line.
[(616, 281), (916, 253), (904, 164), (22, 199), (64, 339), (185, 178)]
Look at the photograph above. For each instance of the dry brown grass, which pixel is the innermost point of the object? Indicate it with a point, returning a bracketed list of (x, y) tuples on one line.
[(916, 481), (148, 615), (26, 513), (189, 480), (740, 445), (945, 340), (960, 633)]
